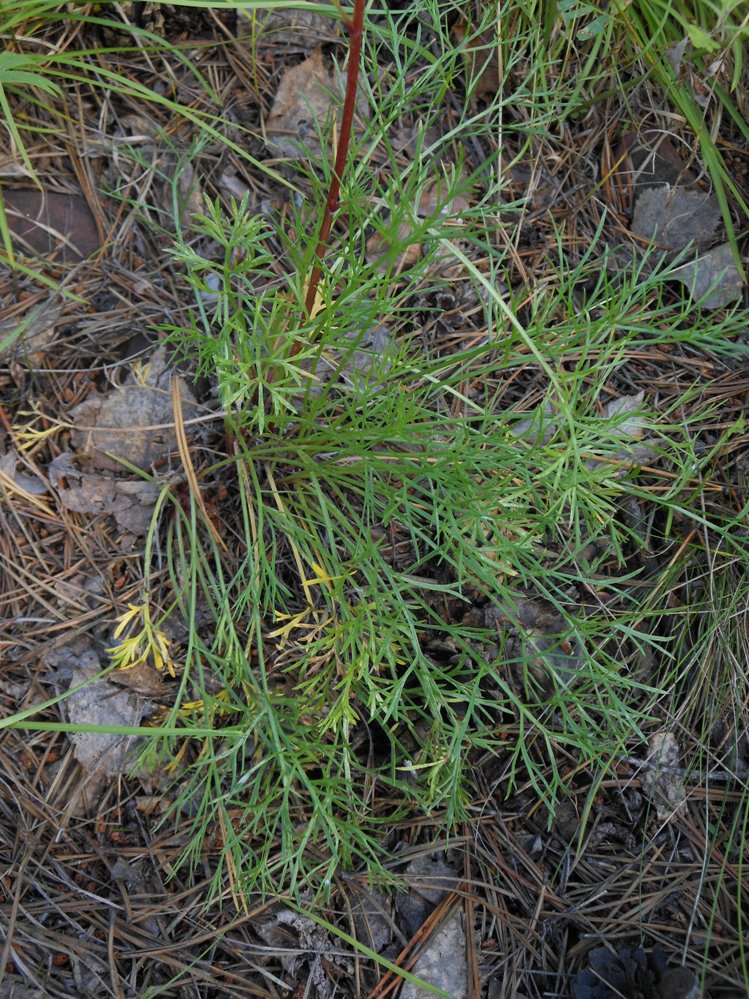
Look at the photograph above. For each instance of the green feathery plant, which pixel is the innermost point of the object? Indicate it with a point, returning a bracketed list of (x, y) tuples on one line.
[(318, 632)]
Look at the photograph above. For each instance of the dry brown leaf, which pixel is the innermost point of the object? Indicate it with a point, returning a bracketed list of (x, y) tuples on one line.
[(544, 424), (301, 107), (398, 254), (642, 160), (442, 962), (631, 971), (664, 784), (37, 331), (674, 55), (434, 199), (627, 405), (129, 501), (631, 428), (715, 272), (677, 217), (290, 30), (133, 422), (192, 199), (99, 701), (18, 485), (429, 878), (31, 485), (49, 222), (674, 217), (481, 60), (373, 920), (650, 158), (63, 659), (141, 678), (296, 938), (405, 139), (104, 703), (232, 185), (541, 638)]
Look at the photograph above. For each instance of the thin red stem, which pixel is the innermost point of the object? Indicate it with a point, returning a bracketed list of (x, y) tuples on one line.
[(355, 29)]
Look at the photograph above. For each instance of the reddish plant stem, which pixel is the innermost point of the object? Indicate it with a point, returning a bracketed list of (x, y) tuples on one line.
[(355, 30)]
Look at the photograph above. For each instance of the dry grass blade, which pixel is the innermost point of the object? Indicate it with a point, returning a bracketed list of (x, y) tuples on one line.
[(11, 488), (186, 458)]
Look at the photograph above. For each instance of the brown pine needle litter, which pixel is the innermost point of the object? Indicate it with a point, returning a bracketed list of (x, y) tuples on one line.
[(394, 437)]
